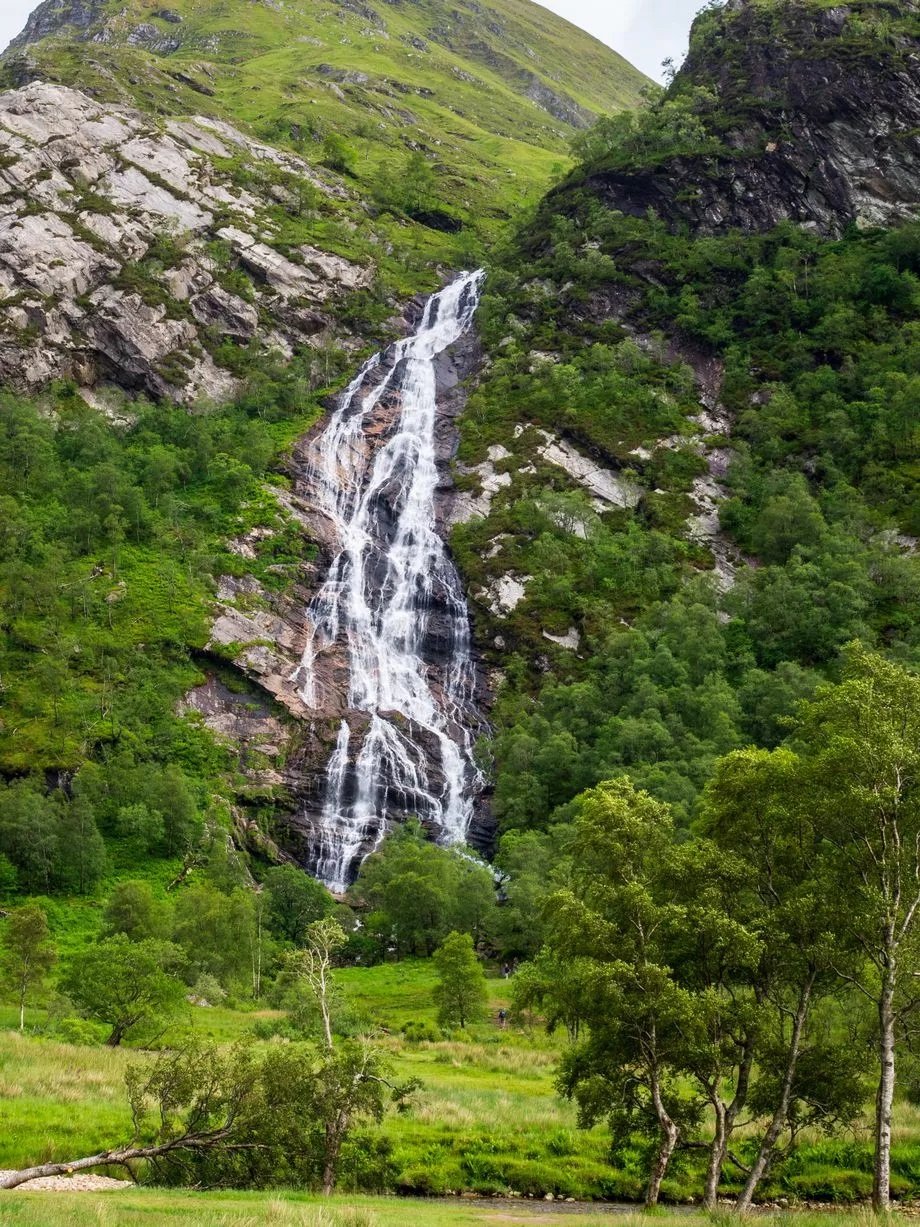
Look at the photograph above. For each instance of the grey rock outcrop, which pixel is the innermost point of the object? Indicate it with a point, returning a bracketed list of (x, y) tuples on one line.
[(818, 122), (54, 15), (107, 267)]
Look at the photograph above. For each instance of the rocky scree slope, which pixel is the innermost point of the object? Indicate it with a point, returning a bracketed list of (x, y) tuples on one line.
[(801, 112), (490, 93), (127, 256)]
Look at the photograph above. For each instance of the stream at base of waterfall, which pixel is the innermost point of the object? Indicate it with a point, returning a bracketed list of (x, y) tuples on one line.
[(393, 606)]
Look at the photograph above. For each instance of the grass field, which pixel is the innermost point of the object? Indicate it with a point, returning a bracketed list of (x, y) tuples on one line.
[(154, 1207), (487, 1119)]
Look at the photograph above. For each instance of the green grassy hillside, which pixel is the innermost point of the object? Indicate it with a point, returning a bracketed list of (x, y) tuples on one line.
[(489, 95)]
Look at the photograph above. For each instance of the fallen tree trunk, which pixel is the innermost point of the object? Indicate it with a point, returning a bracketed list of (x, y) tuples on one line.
[(121, 1156)]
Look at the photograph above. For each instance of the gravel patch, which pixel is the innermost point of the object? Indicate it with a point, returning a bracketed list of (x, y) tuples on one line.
[(82, 1183)]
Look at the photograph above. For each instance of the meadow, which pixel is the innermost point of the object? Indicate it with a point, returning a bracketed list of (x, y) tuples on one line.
[(486, 1120)]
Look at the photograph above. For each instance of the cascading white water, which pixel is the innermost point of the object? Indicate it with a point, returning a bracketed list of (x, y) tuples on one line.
[(393, 601)]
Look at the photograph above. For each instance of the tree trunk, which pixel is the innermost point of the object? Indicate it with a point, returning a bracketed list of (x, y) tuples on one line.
[(881, 1173), (669, 1138), (778, 1121), (726, 1114), (116, 1036), (335, 1131), (22, 1011), (716, 1155), (119, 1157)]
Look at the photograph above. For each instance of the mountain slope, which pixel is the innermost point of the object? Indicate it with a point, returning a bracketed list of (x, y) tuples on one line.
[(806, 112), (692, 465), (490, 93)]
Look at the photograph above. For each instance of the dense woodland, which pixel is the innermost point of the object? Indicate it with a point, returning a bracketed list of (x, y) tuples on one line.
[(705, 872)]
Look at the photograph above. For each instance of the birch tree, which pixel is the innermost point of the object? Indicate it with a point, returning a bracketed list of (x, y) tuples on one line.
[(617, 921), (752, 810), (860, 744)]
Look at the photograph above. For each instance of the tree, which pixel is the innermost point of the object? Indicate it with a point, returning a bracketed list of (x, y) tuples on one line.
[(215, 931), (313, 966), (860, 750), (716, 956), (758, 809), (295, 901), (218, 1117), (460, 994), (28, 953), (352, 1083), (338, 154), (417, 892), (134, 910), (616, 922), (129, 986), (529, 861), (83, 858), (351, 1079), (8, 877)]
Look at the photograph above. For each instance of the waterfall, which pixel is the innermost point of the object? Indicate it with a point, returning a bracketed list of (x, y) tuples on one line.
[(391, 608)]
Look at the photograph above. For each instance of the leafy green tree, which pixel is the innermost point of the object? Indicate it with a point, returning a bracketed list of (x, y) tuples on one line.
[(529, 861), (8, 877), (616, 922), (351, 1079), (756, 810), (859, 745), (312, 965), (461, 994), (129, 986), (84, 862), (295, 901), (134, 910), (417, 892), (141, 828), (338, 154), (215, 932), (220, 1117), (28, 953), (30, 835)]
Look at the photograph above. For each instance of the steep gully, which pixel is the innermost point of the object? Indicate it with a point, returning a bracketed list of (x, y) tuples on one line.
[(370, 650), (389, 625)]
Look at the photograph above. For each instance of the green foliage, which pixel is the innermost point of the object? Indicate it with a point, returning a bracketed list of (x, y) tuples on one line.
[(216, 933), (135, 911), (817, 343), (27, 952), (295, 901), (673, 125), (417, 892), (129, 986), (51, 842), (110, 542), (460, 994)]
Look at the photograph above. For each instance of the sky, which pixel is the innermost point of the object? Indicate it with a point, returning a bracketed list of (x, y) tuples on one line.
[(645, 31), (13, 14)]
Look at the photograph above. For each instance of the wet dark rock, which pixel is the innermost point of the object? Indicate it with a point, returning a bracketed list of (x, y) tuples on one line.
[(821, 132)]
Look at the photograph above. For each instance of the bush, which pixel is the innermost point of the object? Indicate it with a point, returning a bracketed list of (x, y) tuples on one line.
[(79, 1031), (422, 1033)]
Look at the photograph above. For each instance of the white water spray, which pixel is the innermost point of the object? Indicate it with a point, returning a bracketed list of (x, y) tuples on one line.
[(393, 601)]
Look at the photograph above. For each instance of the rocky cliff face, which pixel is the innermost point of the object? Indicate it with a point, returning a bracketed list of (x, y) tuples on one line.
[(52, 16), (283, 743), (816, 109), (128, 257)]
